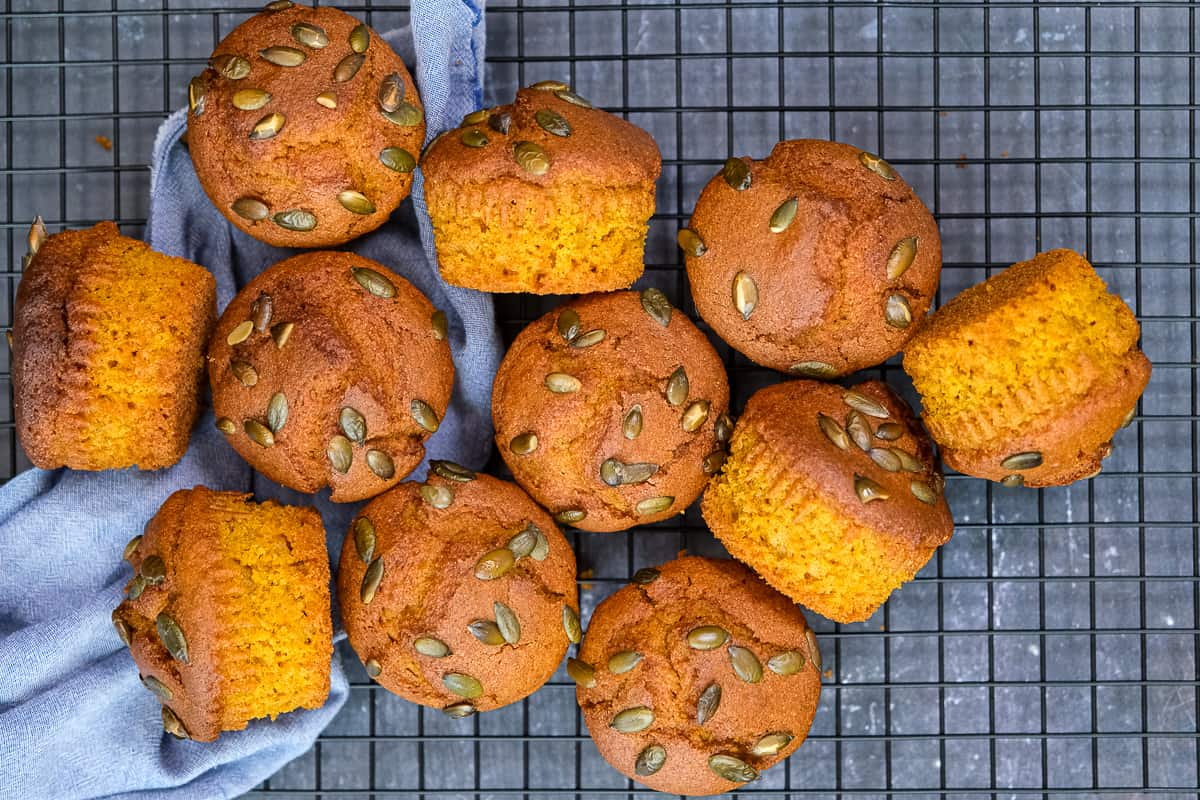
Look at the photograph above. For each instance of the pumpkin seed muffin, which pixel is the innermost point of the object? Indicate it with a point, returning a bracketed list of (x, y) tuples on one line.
[(611, 410), (547, 195), (458, 593), (1025, 377), (227, 615), (328, 369), (697, 677), (304, 127), (107, 350), (831, 495), (818, 260)]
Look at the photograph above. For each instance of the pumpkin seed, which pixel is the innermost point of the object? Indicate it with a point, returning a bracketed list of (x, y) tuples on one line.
[(37, 234), (406, 116), (360, 38), (282, 332), (572, 98), (745, 294), (813, 369), (364, 539), (570, 621), (494, 564), (523, 444), (632, 720), (131, 547), (897, 312), (709, 702), (259, 434), (295, 219), (908, 462), (462, 685), (623, 661), (172, 724), (506, 620), (474, 138), (736, 173), (771, 744), (868, 490), (833, 431), (814, 651), (1127, 420), (277, 412), (353, 424), (122, 629), (260, 312), (171, 636), (690, 242), (231, 66), (348, 67), (476, 117), (656, 304), (226, 426), (695, 415), (732, 768), (877, 165), (523, 543), (136, 587), (1027, 460), (654, 505), (424, 414), (451, 471), (458, 710), (866, 405), (436, 496), (340, 454), (431, 647), (250, 99), (196, 96), (568, 324), (745, 664), (631, 426), (650, 760), (391, 92), (583, 673), (562, 383), (374, 668), (645, 576), (617, 473), (588, 339), (885, 458), (923, 492), (541, 548), (381, 464), (889, 431), (282, 56), (397, 159), (374, 282), (531, 158), (372, 577), (157, 688), (901, 257), (859, 430), (723, 428), (1013, 481), (714, 461), (788, 662), (570, 515), (486, 632), (551, 86), (677, 387), (707, 637), (240, 333), (278, 5), (153, 570), (784, 215), (552, 122), (440, 325), (500, 121), (356, 202)]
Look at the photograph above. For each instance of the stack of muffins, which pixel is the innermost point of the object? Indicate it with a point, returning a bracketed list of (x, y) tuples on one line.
[(612, 411)]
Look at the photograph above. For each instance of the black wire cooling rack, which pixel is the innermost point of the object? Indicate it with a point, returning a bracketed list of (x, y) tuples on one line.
[(1051, 648)]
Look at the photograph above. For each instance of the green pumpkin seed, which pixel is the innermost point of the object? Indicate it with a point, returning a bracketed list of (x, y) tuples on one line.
[(541, 548), (654, 505), (500, 121), (707, 637), (877, 165), (631, 425), (172, 724), (494, 564), (588, 339), (282, 56), (572, 98), (732, 768), (157, 687), (196, 96), (37, 234), (617, 473), (462, 685), (690, 242), (340, 453), (424, 415), (406, 116), (259, 434), (714, 461), (833, 431), (885, 458), (745, 294), (645, 576), (656, 304), (623, 661), (677, 387), (1028, 460), (348, 67), (736, 173), (153, 570), (437, 496), (523, 543), (745, 664), (373, 668), (381, 464), (295, 219), (902, 257), (278, 5), (788, 662), (583, 673), (250, 99), (356, 202), (451, 471), (240, 333), (889, 431), (364, 539), (372, 577), (570, 621), (440, 325), (570, 515), (1013, 481), (562, 383), (551, 86), (136, 587), (476, 117), (458, 710), (523, 444), (908, 462), (1127, 420), (860, 402), (231, 66), (868, 490), (172, 638), (568, 324), (771, 744), (122, 629), (709, 702), (506, 620), (244, 372), (859, 430), (397, 159), (531, 158), (650, 760), (552, 122), (431, 647), (277, 412), (784, 215), (260, 312), (632, 720), (813, 369), (353, 424), (814, 651), (281, 332), (897, 312), (695, 415), (474, 138), (486, 632), (131, 547), (923, 492), (723, 428), (360, 38), (391, 92)]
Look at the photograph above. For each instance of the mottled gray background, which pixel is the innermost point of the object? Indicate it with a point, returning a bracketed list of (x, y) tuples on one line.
[(1050, 649)]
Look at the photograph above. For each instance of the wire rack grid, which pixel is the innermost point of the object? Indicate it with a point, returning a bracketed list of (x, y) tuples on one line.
[(1051, 648)]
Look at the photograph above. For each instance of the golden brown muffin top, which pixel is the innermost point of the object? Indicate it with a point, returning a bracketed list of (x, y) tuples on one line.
[(330, 369), (606, 415), (305, 127), (864, 448), (661, 644), (458, 593), (818, 260), (547, 134)]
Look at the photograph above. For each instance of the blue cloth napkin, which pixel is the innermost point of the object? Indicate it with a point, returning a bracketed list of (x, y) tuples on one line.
[(74, 720)]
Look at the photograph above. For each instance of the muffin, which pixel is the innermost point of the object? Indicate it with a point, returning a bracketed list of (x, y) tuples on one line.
[(610, 410), (227, 615), (697, 677), (107, 350), (304, 127), (548, 195), (818, 260), (831, 495), (458, 593), (1025, 377), (330, 370)]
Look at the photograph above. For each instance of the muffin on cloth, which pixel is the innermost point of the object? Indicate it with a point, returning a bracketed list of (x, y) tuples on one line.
[(818, 260), (107, 350), (610, 410), (227, 615), (697, 677), (830, 494), (328, 369), (548, 195), (304, 128), (458, 593), (1025, 377)]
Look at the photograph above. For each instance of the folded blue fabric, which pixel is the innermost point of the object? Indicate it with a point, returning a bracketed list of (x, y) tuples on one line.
[(74, 720)]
